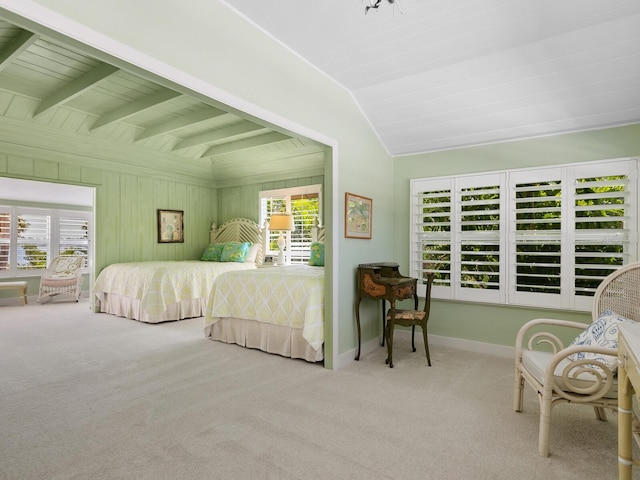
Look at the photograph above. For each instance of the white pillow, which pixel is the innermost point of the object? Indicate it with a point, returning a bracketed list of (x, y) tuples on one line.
[(252, 253), (602, 333)]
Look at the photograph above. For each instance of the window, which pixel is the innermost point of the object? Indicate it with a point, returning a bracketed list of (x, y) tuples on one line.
[(531, 237), (31, 237), (304, 204)]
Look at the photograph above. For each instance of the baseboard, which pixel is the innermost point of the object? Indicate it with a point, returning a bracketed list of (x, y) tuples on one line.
[(452, 342), (32, 300)]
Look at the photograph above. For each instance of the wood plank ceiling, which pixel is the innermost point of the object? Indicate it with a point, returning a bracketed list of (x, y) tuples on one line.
[(443, 74), (60, 92)]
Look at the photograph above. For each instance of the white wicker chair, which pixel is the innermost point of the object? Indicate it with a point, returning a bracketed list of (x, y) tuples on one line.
[(63, 276), (559, 379)]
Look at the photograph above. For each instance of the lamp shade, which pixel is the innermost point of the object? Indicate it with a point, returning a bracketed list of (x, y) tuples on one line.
[(281, 221)]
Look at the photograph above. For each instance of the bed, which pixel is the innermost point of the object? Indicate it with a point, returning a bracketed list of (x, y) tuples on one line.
[(161, 291), (274, 309)]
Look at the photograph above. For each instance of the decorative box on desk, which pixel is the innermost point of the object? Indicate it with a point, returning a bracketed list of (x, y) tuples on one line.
[(383, 281), (628, 386)]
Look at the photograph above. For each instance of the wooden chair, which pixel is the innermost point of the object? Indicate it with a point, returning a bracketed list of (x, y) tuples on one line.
[(582, 373), (410, 318), (62, 276)]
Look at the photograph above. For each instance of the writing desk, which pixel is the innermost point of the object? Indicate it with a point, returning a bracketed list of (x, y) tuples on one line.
[(383, 281)]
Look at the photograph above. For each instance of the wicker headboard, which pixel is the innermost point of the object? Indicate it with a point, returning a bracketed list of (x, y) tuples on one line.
[(239, 230)]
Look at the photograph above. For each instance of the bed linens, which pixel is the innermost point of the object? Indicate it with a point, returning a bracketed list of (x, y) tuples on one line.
[(290, 296), (156, 286)]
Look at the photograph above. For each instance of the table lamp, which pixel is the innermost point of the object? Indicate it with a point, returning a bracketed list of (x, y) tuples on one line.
[(282, 222)]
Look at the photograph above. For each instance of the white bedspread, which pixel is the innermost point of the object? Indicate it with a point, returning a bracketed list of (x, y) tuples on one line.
[(159, 284), (290, 296)]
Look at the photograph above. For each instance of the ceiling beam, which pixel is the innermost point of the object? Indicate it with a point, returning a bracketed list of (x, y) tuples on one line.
[(76, 87), (219, 134), (137, 106), (23, 41), (245, 144), (183, 121)]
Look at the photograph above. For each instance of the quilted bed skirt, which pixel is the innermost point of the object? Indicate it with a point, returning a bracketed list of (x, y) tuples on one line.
[(128, 307), (267, 337)]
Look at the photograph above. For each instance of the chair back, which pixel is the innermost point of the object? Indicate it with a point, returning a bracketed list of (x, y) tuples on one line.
[(620, 293), (66, 265), (427, 295)]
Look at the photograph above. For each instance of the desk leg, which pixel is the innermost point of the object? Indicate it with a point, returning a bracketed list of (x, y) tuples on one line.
[(389, 333), (413, 327), (625, 455), (358, 324), (384, 320)]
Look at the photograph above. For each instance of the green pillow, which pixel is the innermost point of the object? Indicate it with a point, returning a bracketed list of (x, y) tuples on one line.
[(234, 252), (212, 253), (316, 259)]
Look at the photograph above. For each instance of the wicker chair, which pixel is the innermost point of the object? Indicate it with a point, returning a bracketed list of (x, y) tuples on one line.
[(62, 277), (410, 318), (577, 374)]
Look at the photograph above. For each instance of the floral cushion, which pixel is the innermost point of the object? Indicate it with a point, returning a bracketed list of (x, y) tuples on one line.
[(602, 333), (212, 253), (234, 252), (316, 259)]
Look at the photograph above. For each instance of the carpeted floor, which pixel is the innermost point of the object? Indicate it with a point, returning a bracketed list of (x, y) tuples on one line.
[(92, 396)]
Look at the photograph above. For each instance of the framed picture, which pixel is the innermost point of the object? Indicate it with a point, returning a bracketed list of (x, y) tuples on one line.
[(357, 216), (170, 226)]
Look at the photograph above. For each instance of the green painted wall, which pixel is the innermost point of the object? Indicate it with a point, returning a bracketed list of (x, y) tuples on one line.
[(492, 323)]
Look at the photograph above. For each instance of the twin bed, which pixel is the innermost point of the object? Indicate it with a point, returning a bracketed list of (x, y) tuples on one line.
[(275, 309)]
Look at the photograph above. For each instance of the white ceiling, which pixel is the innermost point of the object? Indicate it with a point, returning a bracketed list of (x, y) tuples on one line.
[(444, 74)]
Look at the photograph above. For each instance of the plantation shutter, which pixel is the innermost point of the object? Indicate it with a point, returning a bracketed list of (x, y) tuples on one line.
[(33, 244), (5, 237), (480, 237), (73, 235), (304, 205), (304, 209), (532, 237), (604, 229), (432, 240), (537, 237)]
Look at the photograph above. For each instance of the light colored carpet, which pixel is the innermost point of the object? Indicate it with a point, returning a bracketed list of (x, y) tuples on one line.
[(92, 396)]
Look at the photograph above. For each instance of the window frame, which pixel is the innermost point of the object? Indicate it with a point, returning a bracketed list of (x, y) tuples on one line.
[(572, 262), (54, 236), (287, 194)]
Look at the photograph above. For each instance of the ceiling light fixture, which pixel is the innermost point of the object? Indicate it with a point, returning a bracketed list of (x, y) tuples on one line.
[(376, 3)]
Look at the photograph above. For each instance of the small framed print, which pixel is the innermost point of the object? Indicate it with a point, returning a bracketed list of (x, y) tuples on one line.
[(357, 216), (170, 226)]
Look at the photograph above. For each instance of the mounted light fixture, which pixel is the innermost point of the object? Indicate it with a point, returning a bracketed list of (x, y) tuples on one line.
[(282, 222), (376, 3)]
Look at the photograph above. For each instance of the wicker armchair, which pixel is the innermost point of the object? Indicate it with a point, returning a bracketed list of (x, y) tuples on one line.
[(63, 276), (577, 374)]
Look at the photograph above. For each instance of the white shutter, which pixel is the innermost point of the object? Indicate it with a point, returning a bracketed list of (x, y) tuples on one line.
[(536, 228), (5, 237), (431, 239), (480, 243), (73, 234), (532, 237), (305, 209), (604, 229), (33, 244)]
